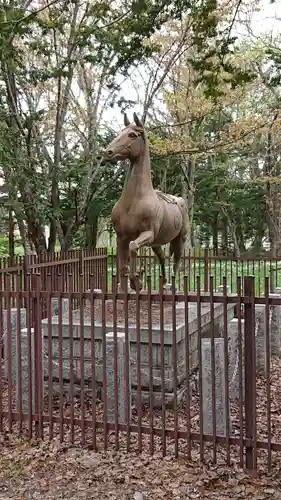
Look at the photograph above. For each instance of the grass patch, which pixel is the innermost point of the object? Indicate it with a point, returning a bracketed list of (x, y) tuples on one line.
[(218, 270)]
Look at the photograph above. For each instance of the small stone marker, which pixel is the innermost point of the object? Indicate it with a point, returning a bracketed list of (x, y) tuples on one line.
[(55, 306), (275, 326), (260, 322), (234, 367), (220, 289), (219, 385), (123, 391), (24, 367), (24, 370), (14, 316)]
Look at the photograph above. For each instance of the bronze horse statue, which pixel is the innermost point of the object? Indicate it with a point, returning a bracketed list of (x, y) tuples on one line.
[(143, 216)]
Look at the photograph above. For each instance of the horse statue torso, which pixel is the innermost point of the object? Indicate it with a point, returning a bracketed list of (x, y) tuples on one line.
[(162, 212)]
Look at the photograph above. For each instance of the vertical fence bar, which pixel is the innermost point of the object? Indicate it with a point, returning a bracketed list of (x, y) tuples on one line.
[(93, 367), (105, 269), (60, 353), (175, 366), (50, 355), (240, 368), (250, 371), (162, 364), (154, 273), (267, 363), (9, 349), (226, 377), (215, 272), (187, 367), (213, 370), (127, 363), (199, 267), (29, 354), (236, 270), (138, 338), (2, 354), (115, 363), (38, 354), (103, 321), (112, 258), (82, 363), (194, 260), (150, 363), (189, 270), (198, 296), (71, 361)]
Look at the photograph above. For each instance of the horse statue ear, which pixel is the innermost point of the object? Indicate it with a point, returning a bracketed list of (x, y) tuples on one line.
[(138, 122), (126, 120)]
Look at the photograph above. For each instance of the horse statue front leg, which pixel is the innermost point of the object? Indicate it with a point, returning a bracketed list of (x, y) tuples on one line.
[(144, 239)]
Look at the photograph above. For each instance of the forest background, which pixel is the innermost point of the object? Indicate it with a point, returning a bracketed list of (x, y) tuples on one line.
[(205, 77)]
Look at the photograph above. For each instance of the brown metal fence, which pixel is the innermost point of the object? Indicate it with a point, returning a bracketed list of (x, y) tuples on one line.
[(204, 263), (80, 270), (97, 268), (146, 371)]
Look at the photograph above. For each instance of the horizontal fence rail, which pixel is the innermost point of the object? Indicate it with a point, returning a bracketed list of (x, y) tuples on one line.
[(183, 372)]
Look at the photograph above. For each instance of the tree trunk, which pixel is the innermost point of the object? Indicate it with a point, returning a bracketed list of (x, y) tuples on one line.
[(188, 174), (239, 237), (256, 248), (274, 218), (225, 236), (11, 234), (215, 234), (91, 231)]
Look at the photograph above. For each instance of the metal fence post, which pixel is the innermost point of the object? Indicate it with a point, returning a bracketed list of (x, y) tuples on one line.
[(250, 371), (117, 265), (38, 362), (105, 270), (206, 270)]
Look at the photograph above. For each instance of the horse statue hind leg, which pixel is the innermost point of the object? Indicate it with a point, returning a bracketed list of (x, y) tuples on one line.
[(177, 245), (161, 257)]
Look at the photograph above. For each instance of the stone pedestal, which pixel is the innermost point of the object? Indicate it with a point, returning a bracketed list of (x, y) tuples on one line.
[(157, 339)]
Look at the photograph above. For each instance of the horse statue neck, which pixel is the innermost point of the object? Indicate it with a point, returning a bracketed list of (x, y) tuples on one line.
[(139, 176)]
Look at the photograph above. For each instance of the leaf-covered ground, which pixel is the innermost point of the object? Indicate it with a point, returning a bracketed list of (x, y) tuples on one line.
[(51, 471)]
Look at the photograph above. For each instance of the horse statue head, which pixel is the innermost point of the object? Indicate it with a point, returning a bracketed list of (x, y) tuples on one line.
[(129, 144)]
